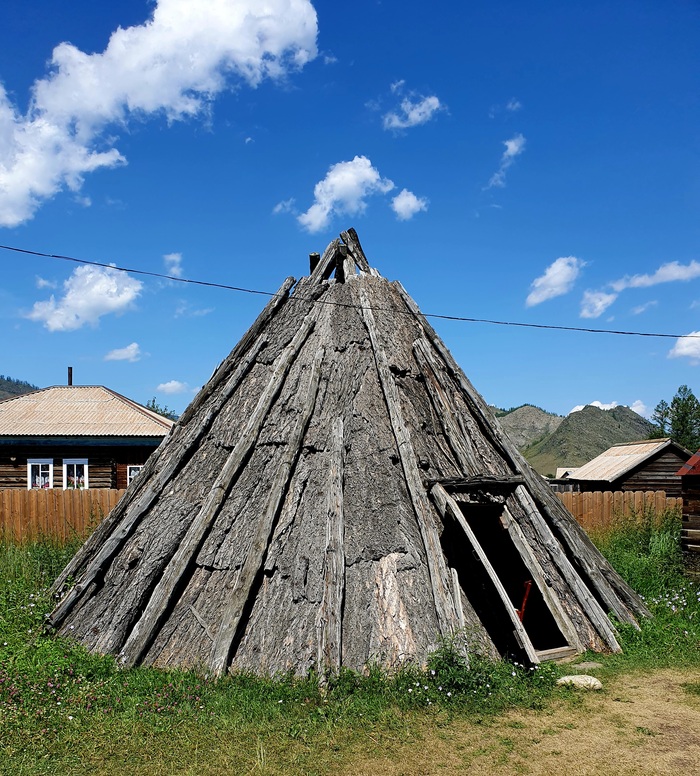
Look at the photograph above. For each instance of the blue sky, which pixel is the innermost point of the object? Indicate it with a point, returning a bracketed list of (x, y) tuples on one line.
[(535, 162)]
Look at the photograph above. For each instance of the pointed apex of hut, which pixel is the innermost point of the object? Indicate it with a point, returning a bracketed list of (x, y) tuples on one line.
[(338, 494)]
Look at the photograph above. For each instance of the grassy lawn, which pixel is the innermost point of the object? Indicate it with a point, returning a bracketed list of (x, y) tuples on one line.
[(64, 711)]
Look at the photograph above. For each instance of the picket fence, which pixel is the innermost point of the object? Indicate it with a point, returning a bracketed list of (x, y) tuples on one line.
[(64, 514), (598, 510)]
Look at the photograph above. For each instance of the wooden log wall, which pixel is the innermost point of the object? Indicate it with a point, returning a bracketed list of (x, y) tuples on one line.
[(597, 511), (26, 515)]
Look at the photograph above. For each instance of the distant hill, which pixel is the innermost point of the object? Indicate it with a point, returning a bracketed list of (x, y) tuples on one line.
[(528, 424), (11, 387), (583, 435)]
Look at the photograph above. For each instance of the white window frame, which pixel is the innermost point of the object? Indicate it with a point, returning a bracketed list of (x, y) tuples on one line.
[(72, 462), (39, 462), (130, 477)]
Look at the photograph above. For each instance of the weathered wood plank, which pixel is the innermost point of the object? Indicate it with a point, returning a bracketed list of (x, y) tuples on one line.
[(326, 265), (329, 622), (255, 557), (444, 605), (457, 441), (162, 594), (592, 608), (351, 239), (553, 603)]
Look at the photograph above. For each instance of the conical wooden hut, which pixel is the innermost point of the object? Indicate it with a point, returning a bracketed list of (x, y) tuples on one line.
[(338, 494)]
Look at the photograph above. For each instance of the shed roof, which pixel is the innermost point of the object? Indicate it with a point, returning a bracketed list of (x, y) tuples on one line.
[(622, 458), (692, 466), (78, 410)]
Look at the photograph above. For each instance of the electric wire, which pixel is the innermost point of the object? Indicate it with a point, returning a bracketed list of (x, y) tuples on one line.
[(438, 316)]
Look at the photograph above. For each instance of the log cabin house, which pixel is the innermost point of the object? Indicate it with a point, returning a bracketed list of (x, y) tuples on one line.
[(650, 464), (69, 436)]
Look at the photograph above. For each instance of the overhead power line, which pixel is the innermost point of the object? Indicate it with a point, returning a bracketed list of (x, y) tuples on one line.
[(438, 316)]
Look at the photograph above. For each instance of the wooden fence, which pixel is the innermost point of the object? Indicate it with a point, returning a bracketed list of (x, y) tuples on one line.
[(597, 511), (29, 514)]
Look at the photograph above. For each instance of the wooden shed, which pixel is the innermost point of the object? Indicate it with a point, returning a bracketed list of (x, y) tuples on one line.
[(75, 436), (690, 489), (650, 464), (337, 495)]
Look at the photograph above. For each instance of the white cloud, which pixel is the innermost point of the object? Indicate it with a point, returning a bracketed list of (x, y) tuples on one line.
[(595, 303), (173, 65), (129, 353), (687, 347), (406, 204), (185, 310), (286, 206), (597, 404), (43, 283), (412, 112), (640, 408), (558, 279), (397, 86), (514, 147), (671, 272), (173, 264), (172, 386), (513, 105), (90, 293), (642, 308), (344, 191)]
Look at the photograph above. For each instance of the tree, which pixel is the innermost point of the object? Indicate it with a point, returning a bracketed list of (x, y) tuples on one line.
[(661, 418), (165, 411), (685, 419), (679, 420)]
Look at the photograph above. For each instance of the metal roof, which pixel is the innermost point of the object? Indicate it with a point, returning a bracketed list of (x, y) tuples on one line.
[(692, 466), (620, 459), (78, 410)]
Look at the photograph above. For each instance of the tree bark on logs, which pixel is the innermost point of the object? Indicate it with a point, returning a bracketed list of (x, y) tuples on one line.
[(255, 556), (329, 623), (434, 556)]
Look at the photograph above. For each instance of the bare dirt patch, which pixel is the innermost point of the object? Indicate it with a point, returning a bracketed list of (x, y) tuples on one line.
[(639, 724)]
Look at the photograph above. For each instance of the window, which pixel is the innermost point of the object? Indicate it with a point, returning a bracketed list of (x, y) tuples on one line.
[(132, 472), (75, 474), (39, 473)]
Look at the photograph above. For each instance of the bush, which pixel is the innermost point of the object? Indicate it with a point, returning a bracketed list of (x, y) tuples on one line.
[(645, 549)]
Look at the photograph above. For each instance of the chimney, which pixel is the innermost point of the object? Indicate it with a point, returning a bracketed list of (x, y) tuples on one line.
[(70, 375)]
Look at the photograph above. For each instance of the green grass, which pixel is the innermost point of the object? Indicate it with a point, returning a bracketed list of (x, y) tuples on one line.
[(645, 548), (64, 710)]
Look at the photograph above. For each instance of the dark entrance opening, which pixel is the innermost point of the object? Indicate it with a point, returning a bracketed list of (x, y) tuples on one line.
[(485, 520)]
